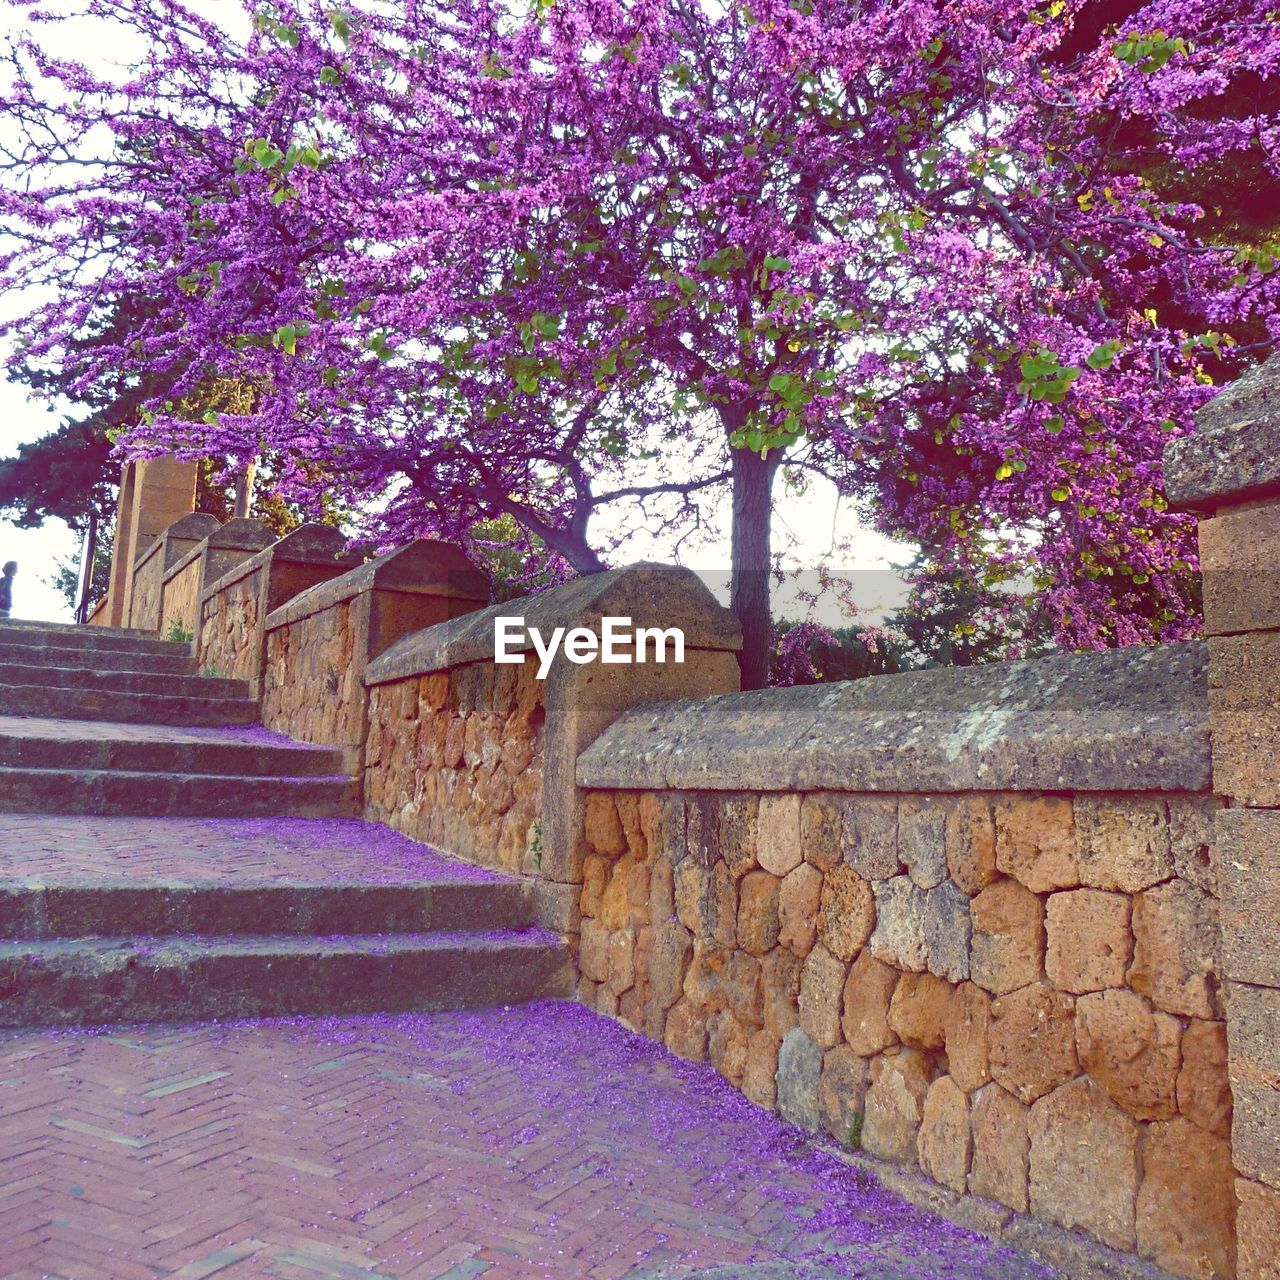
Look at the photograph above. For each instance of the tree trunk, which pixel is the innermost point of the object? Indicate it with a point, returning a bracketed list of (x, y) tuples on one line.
[(750, 559), (244, 491)]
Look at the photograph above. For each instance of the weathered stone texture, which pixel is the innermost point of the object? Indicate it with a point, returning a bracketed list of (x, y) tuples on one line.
[(778, 835), (895, 1105), (1085, 1163), (1036, 842), (1001, 1143), (1204, 1089), (1089, 942), (229, 629), (821, 991), (1248, 842), (922, 839), (1124, 842), (455, 759), (1033, 1047), (967, 1036), (842, 1092), (1253, 1014), (1131, 1051), (899, 937), (1257, 1231), (868, 993), (1186, 1206), (1008, 937), (1175, 951), (945, 1143), (799, 1073), (180, 599), (971, 843), (846, 912), (870, 836), (918, 1010), (798, 900)]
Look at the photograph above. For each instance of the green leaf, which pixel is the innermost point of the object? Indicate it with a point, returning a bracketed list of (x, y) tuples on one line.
[(1102, 356), (329, 75), (341, 24), (777, 264)]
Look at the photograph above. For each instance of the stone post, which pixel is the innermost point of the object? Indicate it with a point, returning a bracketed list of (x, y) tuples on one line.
[(151, 568), (319, 643), (231, 636), (1229, 475)]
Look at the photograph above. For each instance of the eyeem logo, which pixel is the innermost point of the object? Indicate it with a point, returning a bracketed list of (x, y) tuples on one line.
[(617, 643)]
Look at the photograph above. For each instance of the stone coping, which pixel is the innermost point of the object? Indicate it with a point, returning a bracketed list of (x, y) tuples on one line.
[(1235, 453), (1119, 720), (235, 535), (198, 526), (423, 567), (307, 544), (652, 595)]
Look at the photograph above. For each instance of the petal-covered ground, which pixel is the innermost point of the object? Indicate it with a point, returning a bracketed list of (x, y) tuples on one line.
[(537, 1141)]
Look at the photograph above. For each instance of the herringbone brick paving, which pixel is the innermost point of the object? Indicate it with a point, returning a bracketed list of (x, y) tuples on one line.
[(541, 1141)]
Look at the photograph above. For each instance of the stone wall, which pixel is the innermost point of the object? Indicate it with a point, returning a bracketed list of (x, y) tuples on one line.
[(454, 758), (147, 587), (230, 625), (184, 582), (180, 596), (318, 645), (1229, 474), (1013, 986)]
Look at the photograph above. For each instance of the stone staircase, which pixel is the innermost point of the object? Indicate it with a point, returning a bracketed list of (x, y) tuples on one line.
[(161, 868)]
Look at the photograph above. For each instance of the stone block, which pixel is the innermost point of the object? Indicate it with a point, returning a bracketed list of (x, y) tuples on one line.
[(1036, 842), (799, 897), (947, 931), (739, 821), (778, 834), (1191, 840), (868, 993), (799, 1072), (998, 1124), (869, 831), (971, 843), (922, 838), (593, 950), (846, 911), (759, 1076), (1007, 947), (622, 957), (821, 992), (1257, 1231), (686, 1032), (1253, 1014), (895, 1104), (1186, 1205), (1239, 552), (1175, 950), (919, 1010), (602, 826), (1204, 1087), (780, 977), (1085, 1163), (758, 920), (842, 1092), (1124, 842), (944, 1143), (899, 936), (1033, 1044), (668, 962), (727, 1046), (1131, 1051), (1244, 716), (1089, 941), (821, 829), (1248, 845), (967, 1036)]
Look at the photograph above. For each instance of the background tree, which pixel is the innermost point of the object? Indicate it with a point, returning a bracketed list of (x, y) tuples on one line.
[(481, 260)]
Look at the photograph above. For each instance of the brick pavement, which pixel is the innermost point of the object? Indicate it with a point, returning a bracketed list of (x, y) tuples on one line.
[(542, 1141)]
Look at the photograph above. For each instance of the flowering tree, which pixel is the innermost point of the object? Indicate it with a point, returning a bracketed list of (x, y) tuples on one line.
[(488, 259)]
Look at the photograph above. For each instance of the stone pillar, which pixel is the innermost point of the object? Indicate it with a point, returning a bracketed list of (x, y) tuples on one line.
[(1229, 475), (154, 493)]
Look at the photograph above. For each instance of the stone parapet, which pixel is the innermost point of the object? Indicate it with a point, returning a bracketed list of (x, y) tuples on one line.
[(157, 560), (1126, 719), (184, 582), (319, 643), (231, 638), (471, 718)]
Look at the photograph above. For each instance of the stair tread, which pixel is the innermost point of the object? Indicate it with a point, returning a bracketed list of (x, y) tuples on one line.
[(70, 730), (161, 947)]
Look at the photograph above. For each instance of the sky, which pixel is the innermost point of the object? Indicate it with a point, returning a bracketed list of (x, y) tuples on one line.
[(807, 526)]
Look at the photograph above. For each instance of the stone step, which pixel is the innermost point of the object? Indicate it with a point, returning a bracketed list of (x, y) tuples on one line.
[(99, 680), (90, 981), (178, 660), (156, 754), (120, 793), (40, 909), (130, 708), (69, 635)]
